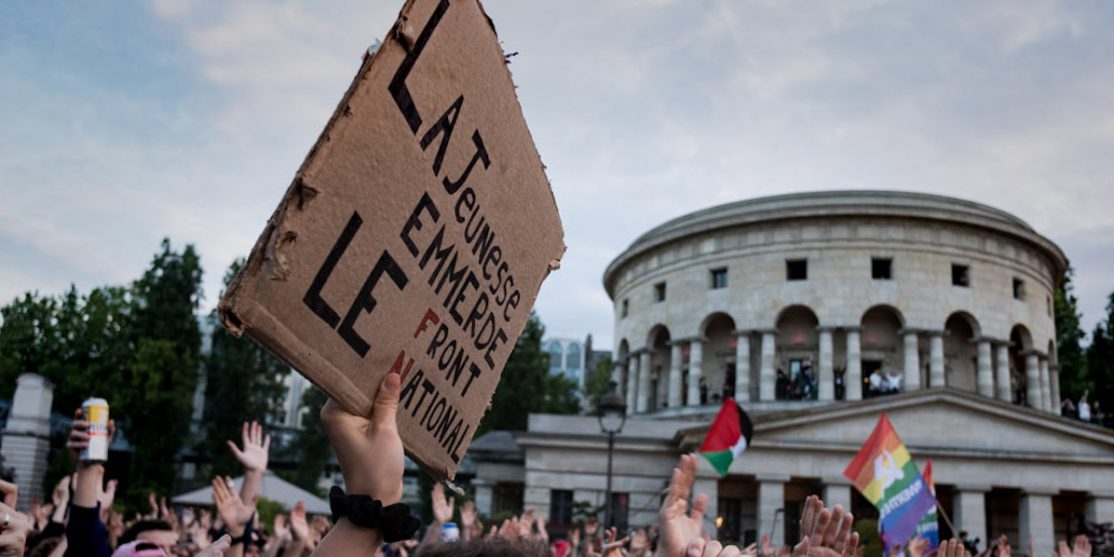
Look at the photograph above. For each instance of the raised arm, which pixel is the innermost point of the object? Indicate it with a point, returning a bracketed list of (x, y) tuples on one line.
[(254, 458), (370, 455)]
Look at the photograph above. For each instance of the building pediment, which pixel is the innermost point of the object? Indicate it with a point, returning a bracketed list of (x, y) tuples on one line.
[(936, 422)]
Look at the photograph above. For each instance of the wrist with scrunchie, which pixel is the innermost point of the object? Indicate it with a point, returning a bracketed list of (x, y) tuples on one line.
[(394, 522)]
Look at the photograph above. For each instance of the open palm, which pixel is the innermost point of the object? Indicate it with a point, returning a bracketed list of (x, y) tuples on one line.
[(256, 447), (234, 511), (678, 525)]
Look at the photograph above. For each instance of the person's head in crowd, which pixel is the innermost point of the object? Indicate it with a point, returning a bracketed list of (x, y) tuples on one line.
[(485, 547), (158, 533), (137, 548)]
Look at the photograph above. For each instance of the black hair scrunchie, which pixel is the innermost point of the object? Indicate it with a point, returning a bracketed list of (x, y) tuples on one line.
[(394, 522)]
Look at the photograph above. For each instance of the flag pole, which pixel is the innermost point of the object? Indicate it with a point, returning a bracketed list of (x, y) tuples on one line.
[(947, 520)]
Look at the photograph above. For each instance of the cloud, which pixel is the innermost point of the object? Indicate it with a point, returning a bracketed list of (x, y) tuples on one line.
[(193, 126)]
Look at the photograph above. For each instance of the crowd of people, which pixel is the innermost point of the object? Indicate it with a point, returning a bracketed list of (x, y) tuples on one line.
[(369, 521), (1090, 411)]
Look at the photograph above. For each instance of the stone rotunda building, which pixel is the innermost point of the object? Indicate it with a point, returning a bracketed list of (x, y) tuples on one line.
[(805, 307)]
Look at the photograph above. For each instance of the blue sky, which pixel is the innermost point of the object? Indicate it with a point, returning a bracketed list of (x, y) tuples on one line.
[(127, 121)]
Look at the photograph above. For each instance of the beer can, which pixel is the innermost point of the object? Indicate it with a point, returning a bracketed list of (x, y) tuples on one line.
[(96, 413), (450, 532)]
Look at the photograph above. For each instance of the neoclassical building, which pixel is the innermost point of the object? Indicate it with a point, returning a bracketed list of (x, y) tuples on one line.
[(791, 304), (943, 291)]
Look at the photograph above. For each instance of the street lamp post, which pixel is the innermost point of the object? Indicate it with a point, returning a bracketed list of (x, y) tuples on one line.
[(613, 415)]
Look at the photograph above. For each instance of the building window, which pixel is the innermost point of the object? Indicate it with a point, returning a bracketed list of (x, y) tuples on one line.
[(626, 308), (560, 506), (620, 506), (961, 275), (1048, 302), (506, 498), (1018, 289), (796, 269), (719, 278), (659, 292), (881, 268)]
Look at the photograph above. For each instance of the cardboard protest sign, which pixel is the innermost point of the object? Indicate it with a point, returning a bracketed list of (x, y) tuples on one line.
[(414, 237)]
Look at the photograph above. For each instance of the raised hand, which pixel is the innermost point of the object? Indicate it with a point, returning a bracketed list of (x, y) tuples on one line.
[(612, 544), (639, 543), (468, 520), (1004, 549), (526, 524), (954, 548), (106, 498), (1081, 546), (442, 506), (13, 534), (9, 493), (826, 533), (218, 548), (299, 528), (678, 524), (369, 451), (702, 548), (918, 547), (766, 549), (281, 529), (232, 510), (543, 534), (256, 447)]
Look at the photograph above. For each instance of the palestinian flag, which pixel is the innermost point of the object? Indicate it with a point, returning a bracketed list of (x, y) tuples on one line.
[(728, 437)]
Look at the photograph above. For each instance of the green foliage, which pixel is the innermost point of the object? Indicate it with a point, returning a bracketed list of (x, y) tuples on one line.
[(1100, 357), (310, 448), (268, 509), (518, 392), (1069, 336), (598, 383), (582, 510), (870, 543), (137, 346), (244, 382)]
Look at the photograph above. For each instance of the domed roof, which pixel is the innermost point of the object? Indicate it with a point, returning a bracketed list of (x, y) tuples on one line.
[(837, 203)]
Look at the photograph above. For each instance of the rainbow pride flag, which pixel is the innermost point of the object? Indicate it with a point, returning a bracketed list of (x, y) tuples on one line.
[(886, 475), (929, 528)]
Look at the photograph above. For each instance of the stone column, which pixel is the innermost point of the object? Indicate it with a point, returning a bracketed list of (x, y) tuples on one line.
[(484, 494), (742, 366), (1035, 519), (837, 491), (632, 382), (696, 370), (1032, 381), (644, 372), (912, 362), (853, 376), (1100, 508), (1046, 387), (767, 377), (27, 436), (707, 482), (771, 508), (1002, 357), (936, 378), (675, 356), (970, 511), (1054, 387), (826, 390), (985, 374)]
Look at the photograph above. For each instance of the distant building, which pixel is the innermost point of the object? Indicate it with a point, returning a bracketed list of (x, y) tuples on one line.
[(572, 357)]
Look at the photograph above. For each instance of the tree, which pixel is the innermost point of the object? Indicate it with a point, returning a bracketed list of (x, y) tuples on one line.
[(310, 448), (154, 409), (244, 382), (1100, 357), (598, 383), (518, 392), (1070, 354)]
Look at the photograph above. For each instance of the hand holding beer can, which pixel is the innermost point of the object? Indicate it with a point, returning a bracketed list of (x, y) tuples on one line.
[(95, 411)]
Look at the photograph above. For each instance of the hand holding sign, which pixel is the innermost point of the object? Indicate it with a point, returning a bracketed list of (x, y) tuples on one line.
[(413, 239)]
